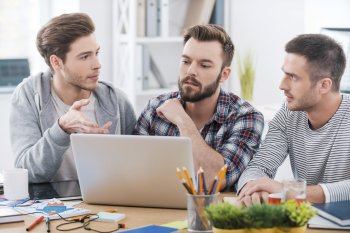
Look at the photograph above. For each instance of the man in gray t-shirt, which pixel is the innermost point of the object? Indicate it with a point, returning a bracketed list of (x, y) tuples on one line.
[(312, 127), (46, 108)]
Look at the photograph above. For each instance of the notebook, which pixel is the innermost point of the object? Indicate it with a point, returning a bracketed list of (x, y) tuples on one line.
[(338, 212), (323, 223), (9, 214), (132, 170), (152, 229)]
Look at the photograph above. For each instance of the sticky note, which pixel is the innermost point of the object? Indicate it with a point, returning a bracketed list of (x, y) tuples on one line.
[(110, 217), (176, 224)]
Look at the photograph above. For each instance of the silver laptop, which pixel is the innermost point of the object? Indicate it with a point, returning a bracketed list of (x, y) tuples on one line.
[(132, 170)]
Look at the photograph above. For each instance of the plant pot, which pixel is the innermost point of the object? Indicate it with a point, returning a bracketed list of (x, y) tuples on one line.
[(217, 230), (262, 230), (292, 229)]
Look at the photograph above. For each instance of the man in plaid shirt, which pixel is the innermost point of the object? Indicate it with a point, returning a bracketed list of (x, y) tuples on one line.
[(223, 128)]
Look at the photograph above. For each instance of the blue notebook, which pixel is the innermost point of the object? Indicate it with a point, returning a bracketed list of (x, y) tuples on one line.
[(338, 212), (151, 229)]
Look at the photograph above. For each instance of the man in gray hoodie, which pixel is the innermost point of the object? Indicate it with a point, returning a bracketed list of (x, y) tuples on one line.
[(46, 108)]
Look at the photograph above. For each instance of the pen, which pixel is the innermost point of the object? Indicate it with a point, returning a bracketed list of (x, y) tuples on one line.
[(47, 221), (36, 222)]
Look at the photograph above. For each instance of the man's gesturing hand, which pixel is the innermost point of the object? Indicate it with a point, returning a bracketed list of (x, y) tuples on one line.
[(74, 121)]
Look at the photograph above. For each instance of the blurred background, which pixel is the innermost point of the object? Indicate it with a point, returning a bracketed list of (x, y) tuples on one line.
[(141, 43)]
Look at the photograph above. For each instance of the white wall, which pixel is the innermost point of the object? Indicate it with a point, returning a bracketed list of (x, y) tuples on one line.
[(101, 13), (326, 13), (264, 27), (6, 159)]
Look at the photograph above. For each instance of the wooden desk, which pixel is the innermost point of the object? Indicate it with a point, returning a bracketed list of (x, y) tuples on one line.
[(135, 217)]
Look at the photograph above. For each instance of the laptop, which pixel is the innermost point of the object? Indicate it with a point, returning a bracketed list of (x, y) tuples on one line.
[(131, 170)]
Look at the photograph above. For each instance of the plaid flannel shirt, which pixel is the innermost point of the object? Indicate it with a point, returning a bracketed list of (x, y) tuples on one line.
[(234, 131)]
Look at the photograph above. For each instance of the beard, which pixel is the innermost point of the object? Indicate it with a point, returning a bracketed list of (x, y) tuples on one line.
[(190, 95), (79, 80), (305, 102)]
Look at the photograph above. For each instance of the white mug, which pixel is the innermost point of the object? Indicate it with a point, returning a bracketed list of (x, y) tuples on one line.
[(15, 183)]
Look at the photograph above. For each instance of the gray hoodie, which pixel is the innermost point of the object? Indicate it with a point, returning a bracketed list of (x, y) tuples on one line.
[(38, 142)]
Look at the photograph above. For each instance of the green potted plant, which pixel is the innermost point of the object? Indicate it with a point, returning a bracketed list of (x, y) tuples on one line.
[(246, 74), (290, 216)]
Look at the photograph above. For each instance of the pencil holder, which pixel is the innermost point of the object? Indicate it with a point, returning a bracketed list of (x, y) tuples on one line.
[(196, 217)]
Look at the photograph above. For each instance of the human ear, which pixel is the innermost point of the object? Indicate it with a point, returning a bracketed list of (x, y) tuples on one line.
[(325, 85), (55, 62), (225, 73)]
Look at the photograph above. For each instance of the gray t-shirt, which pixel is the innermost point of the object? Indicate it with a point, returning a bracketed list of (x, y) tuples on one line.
[(67, 170)]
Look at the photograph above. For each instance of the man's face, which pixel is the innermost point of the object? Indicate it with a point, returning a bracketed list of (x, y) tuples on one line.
[(301, 93), (200, 70), (82, 67)]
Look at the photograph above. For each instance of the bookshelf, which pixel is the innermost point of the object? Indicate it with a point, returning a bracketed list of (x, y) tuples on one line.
[(147, 42)]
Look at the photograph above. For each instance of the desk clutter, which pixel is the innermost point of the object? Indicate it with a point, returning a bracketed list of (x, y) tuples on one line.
[(53, 209), (200, 196), (47, 210)]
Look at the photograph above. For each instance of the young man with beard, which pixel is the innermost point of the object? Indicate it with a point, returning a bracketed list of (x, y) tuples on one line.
[(312, 127), (48, 107), (223, 128)]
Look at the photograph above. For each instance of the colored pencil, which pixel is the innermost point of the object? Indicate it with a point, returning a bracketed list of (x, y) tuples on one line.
[(189, 179), (212, 187), (205, 190), (183, 181), (179, 173), (200, 181), (221, 176)]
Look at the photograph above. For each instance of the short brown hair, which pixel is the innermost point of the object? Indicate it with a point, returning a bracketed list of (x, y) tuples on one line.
[(324, 55), (211, 32), (60, 32)]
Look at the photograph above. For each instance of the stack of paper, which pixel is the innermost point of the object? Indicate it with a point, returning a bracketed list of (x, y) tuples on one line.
[(1, 184), (320, 222), (9, 214)]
